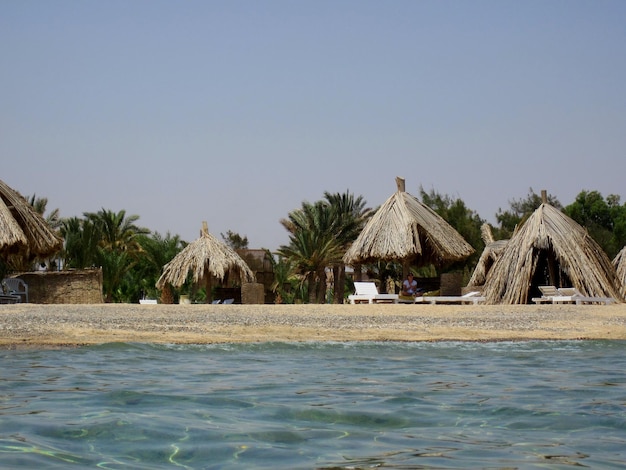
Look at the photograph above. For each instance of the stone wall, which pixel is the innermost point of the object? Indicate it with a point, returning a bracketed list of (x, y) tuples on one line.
[(64, 287), (451, 284), (252, 293)]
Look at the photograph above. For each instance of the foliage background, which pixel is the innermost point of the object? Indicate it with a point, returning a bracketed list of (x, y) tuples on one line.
[(132, 256)]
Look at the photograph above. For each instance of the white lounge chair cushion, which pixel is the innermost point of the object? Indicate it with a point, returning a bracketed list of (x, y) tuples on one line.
[(367, 292)]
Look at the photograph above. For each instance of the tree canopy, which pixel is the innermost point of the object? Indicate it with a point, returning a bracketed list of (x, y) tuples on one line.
[(604, 219), (132, 257), (464, 220), (234, 240)]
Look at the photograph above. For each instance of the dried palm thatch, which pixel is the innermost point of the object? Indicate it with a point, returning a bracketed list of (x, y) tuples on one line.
[(493, 249), (23, 230), (550, 248), (620, 267), (205, 257), (404, 228)]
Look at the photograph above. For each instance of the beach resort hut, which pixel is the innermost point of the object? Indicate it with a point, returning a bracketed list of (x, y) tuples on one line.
[(407, 230), (620, 267), (493, 249), (23, 231), (550, 249), (206, 258)]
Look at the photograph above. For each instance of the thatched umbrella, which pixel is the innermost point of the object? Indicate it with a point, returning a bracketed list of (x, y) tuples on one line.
[(620, 267), (493, 249), (22, 230), (405, 229), (550, 249), (206, 257)]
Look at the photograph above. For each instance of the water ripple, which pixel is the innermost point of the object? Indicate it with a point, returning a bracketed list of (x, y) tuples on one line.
[(316, 405)]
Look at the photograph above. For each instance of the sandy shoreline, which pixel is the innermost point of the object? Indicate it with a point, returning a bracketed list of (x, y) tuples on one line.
[(41, 326)]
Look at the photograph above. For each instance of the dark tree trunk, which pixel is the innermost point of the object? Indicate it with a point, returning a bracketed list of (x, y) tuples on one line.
[(321, 286), (339, 275), (312, 287)]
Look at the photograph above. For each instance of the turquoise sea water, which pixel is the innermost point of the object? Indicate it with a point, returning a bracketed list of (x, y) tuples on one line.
[(316, 406)]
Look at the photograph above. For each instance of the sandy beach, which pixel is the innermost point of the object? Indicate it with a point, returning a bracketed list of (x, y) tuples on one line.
[(41, 326)]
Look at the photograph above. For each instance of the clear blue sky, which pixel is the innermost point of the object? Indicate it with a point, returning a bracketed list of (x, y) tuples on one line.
[(235, 112)]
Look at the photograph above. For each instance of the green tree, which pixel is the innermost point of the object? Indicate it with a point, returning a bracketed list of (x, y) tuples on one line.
[(351, 215), (115, 266), (156, 252), (81, 242), (118, 248), (285, 281), (313, 245), (117, 231), (605, 220), (40, 204), (464, 220), (235, 241)]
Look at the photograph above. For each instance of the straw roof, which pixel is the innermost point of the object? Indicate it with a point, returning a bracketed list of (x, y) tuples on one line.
[(23, 230), (550, 242), (493, 249), (404, 228), (620, 267), (205, 257)]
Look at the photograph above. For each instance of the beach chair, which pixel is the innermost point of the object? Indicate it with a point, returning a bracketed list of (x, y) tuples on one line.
[(568, 295), (469, 298), (16, 287), (573, 295), (10, 299), (367, 292), (547, 294)]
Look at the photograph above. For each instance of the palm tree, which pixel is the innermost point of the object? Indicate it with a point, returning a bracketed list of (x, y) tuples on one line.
[(40, 205), (81, 242), (351, 215), (118, 247), (313, 245), (115, 266), (156, 252), (284, 279), (117, 232)]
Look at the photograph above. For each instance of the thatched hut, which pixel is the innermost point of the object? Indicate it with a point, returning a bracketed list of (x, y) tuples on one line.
[(493, 249), (407, 230), (23, 231), (550, 249), (206, 258), (620, 267)]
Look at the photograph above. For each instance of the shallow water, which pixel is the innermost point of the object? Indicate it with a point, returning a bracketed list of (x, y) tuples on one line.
[(316, 405)]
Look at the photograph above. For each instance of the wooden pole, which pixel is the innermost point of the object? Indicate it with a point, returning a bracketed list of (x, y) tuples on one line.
[(208, 285), (400, 184)]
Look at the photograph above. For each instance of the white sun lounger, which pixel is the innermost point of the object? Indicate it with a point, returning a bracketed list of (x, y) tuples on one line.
[(573, 295), (367, 292), (469, 298), (547, 294), (568, 295)]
